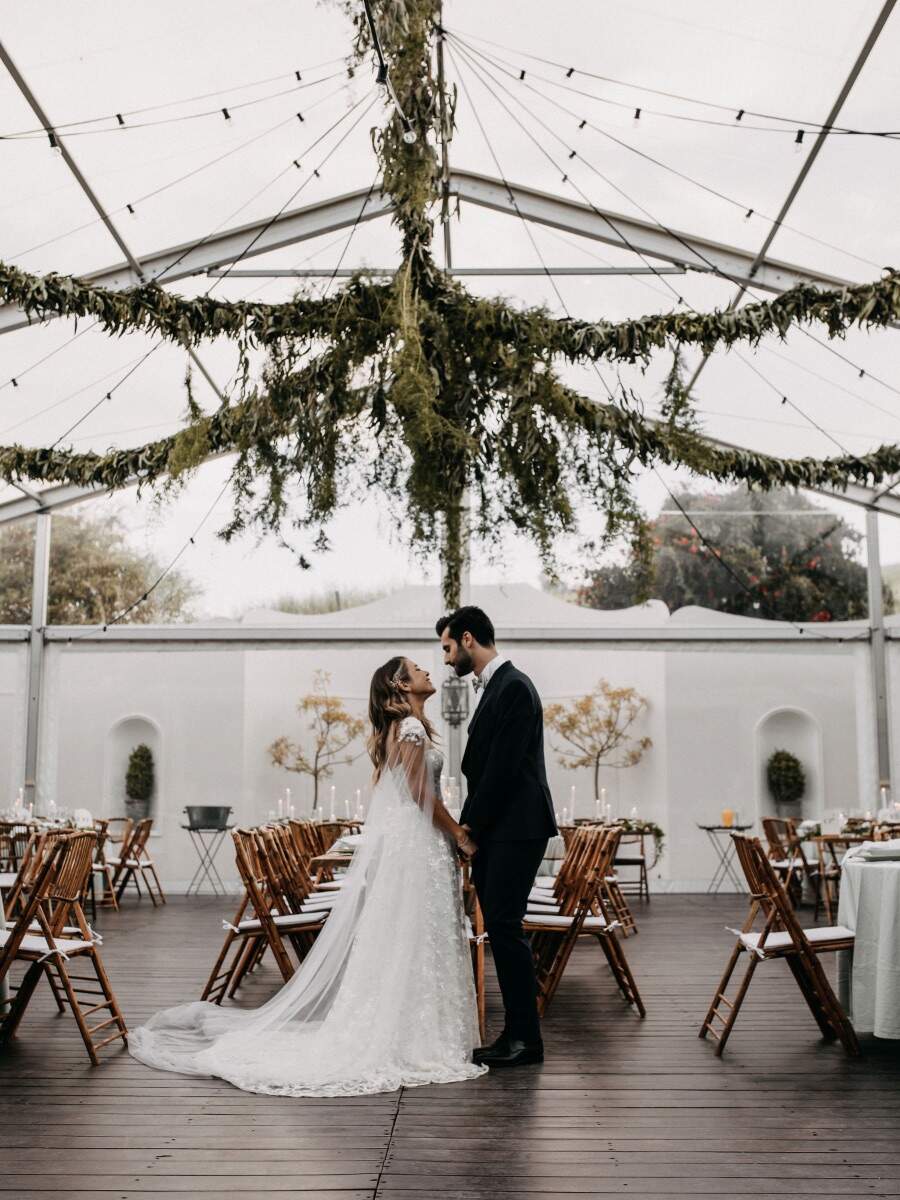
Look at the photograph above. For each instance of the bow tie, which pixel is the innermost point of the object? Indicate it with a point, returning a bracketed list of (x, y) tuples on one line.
[(477, 684)]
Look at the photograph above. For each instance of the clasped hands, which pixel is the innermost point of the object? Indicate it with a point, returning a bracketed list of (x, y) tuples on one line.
[(465, 846)]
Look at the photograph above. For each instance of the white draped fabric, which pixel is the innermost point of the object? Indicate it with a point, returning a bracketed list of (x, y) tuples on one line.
[(385, 998), (869, 975)]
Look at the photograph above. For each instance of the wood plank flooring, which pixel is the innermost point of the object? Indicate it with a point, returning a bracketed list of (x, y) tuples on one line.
[(621, 1107)]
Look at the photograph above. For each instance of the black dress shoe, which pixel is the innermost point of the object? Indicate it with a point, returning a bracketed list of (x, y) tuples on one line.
[(498, 1046), (513, 1053)]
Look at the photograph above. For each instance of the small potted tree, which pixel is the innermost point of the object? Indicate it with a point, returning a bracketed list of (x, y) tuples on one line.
[(139, 782), (333, 730), (786, 778)]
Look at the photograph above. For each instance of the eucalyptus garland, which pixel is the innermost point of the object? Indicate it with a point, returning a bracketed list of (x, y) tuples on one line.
[(418, 389)]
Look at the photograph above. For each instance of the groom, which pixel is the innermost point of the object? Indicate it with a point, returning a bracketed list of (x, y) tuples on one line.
[(509, 812)]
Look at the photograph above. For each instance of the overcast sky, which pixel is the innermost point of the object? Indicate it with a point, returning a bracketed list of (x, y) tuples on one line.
[(86, 60)]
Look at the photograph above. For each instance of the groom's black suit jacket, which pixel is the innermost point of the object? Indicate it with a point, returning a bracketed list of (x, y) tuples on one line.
[(508, 797)]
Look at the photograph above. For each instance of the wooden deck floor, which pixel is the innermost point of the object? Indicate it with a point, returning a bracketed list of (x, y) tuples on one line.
[(621, 1107)]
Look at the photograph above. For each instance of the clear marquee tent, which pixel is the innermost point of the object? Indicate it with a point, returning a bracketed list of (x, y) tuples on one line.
[(607, 161)]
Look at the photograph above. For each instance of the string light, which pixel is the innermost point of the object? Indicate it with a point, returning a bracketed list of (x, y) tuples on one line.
[(121, 120), (636, 117), (892, 134), (130, 210), (54, 144), (226, 114), (798, 141), (300, 117)]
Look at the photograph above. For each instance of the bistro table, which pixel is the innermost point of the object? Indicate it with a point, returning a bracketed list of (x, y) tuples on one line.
[(719, 836), (869, 974), (207, 840)]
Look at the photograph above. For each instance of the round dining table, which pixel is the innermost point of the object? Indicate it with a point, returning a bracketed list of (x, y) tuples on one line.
[(869, 974)]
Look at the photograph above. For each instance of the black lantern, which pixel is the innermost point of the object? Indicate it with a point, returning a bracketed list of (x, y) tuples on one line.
[(454, 700)]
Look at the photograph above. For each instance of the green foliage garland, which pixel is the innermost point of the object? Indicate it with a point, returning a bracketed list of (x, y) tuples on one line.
[(418, 389)]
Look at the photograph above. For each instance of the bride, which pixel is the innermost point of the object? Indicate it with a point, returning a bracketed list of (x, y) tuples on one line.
[(385, 998)]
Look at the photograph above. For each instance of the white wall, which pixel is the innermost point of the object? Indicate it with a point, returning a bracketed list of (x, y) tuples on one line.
[(13, 692), (217, 708)]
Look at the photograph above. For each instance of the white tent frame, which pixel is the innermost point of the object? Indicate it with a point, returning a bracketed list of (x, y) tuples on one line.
[(682, 250)]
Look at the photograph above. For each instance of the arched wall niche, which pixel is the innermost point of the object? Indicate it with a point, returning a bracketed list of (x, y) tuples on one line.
[(121, 739), (795, 730)]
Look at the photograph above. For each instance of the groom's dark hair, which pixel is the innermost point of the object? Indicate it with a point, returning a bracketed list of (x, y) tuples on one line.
[(468, 619)]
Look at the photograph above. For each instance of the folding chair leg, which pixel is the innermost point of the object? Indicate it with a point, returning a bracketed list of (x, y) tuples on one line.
[(108, 897), (618, 964), (719, 994), (54, 988), (735, 1005), (799, 971), (220, 975), (20, 1002), (160, 892), (245, 961), (824, 1007)]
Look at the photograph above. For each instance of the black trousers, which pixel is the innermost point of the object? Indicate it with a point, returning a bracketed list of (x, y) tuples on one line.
[(503, 874)]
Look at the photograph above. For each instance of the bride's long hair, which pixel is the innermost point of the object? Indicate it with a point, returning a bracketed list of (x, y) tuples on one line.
[(388, 704)]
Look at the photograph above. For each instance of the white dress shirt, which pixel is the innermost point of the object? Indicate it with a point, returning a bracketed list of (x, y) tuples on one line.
[(485, 677)]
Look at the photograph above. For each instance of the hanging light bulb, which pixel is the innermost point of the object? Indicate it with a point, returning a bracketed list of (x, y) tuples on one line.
[(636, 118), (798, 142), (54, 144), (410, 136)]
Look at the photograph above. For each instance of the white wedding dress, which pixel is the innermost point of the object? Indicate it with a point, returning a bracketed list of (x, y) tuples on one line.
[(385, 999)]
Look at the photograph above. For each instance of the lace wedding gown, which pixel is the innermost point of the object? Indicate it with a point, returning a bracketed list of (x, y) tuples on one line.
[(385, 998)]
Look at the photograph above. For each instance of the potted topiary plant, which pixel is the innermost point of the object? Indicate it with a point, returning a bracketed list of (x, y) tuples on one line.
[(785, 777), (139, 782)]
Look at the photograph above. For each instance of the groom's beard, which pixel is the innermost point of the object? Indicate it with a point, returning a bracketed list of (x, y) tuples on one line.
[(464, 664)]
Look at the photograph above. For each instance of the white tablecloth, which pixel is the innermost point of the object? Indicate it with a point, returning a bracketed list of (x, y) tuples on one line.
[(869, 975)]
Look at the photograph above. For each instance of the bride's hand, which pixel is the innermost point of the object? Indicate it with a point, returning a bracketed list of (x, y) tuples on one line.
[(464, 843)]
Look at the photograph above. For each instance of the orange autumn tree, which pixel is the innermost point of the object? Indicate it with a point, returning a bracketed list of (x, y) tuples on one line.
[(597, 729), (333, 731)]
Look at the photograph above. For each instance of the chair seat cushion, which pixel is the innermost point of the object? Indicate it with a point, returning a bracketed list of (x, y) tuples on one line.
[(781, 940), (542, 896), (284, 921), (554, 921), (32, 944), (545, 881), (8, 878), (132, 863)]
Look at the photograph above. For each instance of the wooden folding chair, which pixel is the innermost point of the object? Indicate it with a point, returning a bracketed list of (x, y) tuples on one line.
[(247, 937), (134, 863), (103, 868), (14, 837), (637, 858), (780, 937), (49, 934), (781, 849), (593, 852), (832, 847), (39, 847)]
